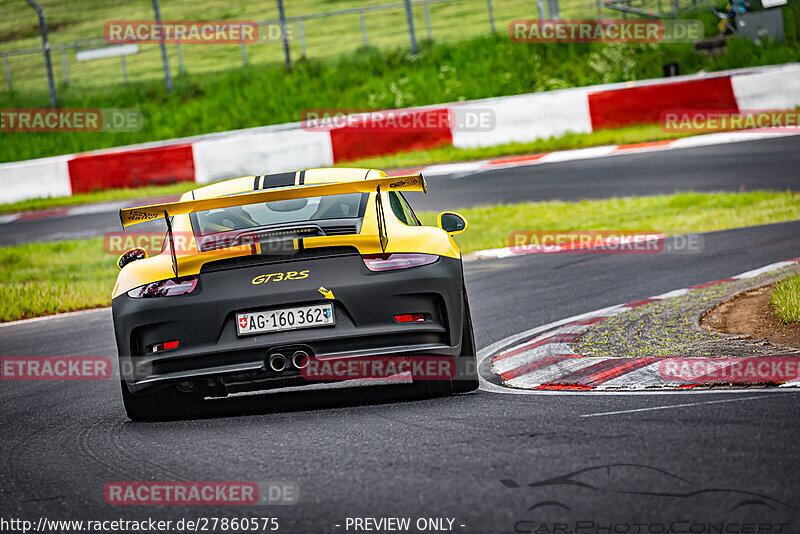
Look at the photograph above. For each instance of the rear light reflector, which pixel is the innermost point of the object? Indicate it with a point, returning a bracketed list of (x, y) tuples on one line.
[(410, 318), (390, 262), (165, 288), (161, 347)]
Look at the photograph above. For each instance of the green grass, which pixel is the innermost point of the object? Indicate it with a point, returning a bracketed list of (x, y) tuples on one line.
[(259, 95), (44, 278), (678, 213), (785, 299), (106, 195)]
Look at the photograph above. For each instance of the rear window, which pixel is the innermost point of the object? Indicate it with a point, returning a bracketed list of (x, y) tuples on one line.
[(348, 206)]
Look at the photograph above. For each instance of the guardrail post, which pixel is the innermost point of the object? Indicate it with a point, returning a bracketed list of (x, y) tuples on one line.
[(302, 36), (552, 10), (284, 37), (491, 15), (428, 21), (163, 45), (364, 38), (412, 36), (8, 74), (46, 49)]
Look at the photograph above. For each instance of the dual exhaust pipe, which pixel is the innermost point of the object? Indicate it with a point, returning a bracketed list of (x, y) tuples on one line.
[(279, 363)]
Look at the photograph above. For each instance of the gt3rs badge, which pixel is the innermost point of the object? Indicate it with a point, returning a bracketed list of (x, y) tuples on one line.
[(280, 277)]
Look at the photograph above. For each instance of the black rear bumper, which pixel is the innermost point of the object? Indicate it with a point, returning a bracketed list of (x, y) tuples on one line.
[(211, 355)]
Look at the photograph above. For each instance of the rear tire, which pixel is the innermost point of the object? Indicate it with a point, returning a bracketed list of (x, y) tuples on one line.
[(468, 356), (466, 362), (168, 403)]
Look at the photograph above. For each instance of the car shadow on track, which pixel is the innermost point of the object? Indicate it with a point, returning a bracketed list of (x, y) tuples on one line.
[(305, 400)]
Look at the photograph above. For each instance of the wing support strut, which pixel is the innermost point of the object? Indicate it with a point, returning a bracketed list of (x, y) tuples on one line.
[(171, 243)]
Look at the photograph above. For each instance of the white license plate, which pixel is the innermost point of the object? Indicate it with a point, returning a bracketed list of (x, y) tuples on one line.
[(284, 319)]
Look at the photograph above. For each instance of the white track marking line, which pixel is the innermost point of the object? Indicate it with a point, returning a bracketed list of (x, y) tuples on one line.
[(683, 405), (795, 383), (56, 316), (670, 294), (767, 268), (577, 154)]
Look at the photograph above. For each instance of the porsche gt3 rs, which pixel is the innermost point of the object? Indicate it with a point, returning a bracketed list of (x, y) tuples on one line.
[(262, 275)]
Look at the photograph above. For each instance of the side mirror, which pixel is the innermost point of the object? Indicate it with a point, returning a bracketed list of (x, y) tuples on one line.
[(131, 255), (451, 222)]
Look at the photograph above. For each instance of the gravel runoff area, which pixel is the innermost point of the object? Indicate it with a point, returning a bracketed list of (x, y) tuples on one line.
[(671, 327)]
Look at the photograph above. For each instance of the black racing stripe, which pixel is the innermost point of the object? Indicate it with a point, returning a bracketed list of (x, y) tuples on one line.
[(302, 178), (282, 179), (300, 244)]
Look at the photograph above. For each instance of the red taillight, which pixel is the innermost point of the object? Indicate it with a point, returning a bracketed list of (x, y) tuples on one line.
[(410, 318), (390, 262), (161, 347), (165, 288)]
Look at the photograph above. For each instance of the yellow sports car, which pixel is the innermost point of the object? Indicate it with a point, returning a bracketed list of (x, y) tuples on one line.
[(291, 279)]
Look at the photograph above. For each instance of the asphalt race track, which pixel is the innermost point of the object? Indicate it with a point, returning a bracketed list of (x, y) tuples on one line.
[(766, 164), (492, 462)]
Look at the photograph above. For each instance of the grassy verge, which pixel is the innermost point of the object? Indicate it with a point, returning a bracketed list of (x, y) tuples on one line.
[(258, 95), (107, 195), (677, 213), (785, 299), (44, 278)]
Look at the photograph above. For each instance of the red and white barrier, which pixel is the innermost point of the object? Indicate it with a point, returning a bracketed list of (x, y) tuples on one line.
[(399, 131), (644, 104), (525, 118), (519, 118), (36, 178), (132, 168), (777, 88)]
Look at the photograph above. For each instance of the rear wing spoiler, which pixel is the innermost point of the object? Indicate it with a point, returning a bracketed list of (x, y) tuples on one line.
[(131, 216), (411, 182)]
